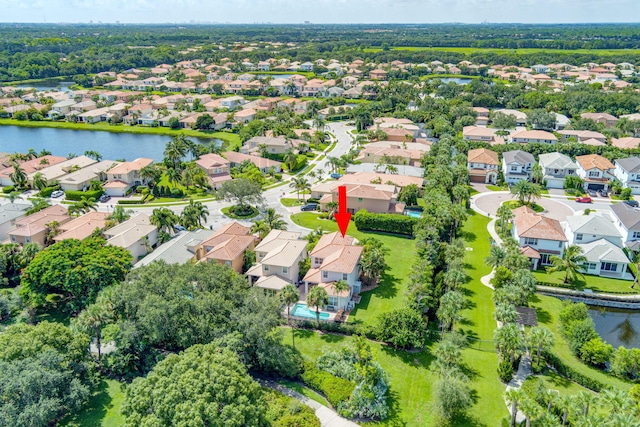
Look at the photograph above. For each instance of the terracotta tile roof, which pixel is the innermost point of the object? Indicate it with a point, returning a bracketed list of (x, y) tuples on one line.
[(326, 244), (260, 162), (529, 252), (126, 167), (80, 228), (529, 224), (628, 142), (534, 134), (594, 161), (483, 155), (228, 247), (210, 160)]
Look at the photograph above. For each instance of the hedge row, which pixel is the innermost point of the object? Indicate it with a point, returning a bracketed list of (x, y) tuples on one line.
[(335, 389), (570, 373), (8, 189), (46, 192), (130, 202), (77, 195), (388, 223)]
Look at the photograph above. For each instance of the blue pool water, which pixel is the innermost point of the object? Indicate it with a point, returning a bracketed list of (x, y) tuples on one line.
[(301, 310), (414, 214)]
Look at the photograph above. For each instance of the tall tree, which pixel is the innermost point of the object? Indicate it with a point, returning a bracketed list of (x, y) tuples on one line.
[(317, 297), (39, 181), (164, 219), (83, 206), (572, 263), (93, 154), (241, 191), (540, 338)]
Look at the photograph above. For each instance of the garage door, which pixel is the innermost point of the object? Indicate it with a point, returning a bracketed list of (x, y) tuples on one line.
[(477, 178), (595, 187)]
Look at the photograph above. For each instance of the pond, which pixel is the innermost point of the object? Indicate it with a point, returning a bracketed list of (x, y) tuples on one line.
[(48, 85), (456, 80), (618, 327), (111, 146)]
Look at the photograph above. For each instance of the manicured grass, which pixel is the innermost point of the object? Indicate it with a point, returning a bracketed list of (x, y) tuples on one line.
[(289, 202), (548, 310), (227, 212), (305, 391), (516, 204), (390, 294), (103, 409), (497, 188), (231, 138), (595, 283)]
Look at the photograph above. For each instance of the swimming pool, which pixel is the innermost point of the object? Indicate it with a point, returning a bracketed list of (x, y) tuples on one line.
[(413, 214), (301, 310)]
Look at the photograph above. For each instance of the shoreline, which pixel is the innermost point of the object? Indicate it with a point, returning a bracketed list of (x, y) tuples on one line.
[(230, 138)]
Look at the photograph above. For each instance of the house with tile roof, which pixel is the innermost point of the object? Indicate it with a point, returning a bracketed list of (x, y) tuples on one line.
[(30, 166), (179, 250), (33, 228), (216, 167), (581, 135), (539, 237), (82, 227), (125, 176), (627, 171), (596, 171), (483, 165), (335, 258), (80, 180), (137, 235), (278, 254), (227, 246), (521, 117), (628, 142), (627, 219), (605, 259), (604, 118), (9, 214), (555, 167), (517, 166), (533, 137), (236, 159), (481, 134), (375, 198)]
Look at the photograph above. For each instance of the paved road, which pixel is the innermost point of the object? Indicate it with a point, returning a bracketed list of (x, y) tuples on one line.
[(490, 202)]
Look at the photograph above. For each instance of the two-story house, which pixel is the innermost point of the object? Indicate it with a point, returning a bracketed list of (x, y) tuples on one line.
[(627, 219), (137, 235), (628, 173), (335, 258), (216, 167), (125, 176), (533, 136), (517, 165), (581, 135), (539, 237), (278, 254), (596, 171), (80, 180), (483, 165), (604, 118), (556, 167), (227, 246), (581, 229)]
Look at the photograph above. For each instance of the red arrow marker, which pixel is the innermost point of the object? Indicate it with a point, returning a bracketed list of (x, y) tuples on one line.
[(342, 217)]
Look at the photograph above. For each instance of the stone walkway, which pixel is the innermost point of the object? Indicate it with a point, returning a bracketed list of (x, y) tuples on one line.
[(328, 417)]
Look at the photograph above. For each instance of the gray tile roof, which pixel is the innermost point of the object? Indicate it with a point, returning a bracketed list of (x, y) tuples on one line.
[(556, 161), (630, 164), (628, 216), (603, 250), (592, 224), (178, 250), (518, 156)]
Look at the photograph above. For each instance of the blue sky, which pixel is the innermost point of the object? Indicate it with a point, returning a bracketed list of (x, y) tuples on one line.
[(320, 11)]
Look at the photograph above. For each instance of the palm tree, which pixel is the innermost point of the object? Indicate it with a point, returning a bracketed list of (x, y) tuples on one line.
[(289, 295), (164, 219), (586, 399), (18, 176), (193, 215), (548, 420), (514, 397), (509, 341), (313, 238), (261, 228), (53, 229), (572, 263), (451, 304), (92, 319), (13, 196), (173, 176), (334, 162), (264, 151), (317, 297), (83, 206), (616, 400), (526, 191), (505, 214), (32, 153), (300, 184), (540, 338), (290, 159), (39, 181), (93, 154), (150, 174), (565, 402), (175, 150), (120, 214), (530, 409), (274, 220), (497, 255), (340, 286), (319, 124)]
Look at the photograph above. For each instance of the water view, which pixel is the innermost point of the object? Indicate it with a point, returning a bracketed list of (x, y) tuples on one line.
[(48, 85), (62, 142), (616, 326)]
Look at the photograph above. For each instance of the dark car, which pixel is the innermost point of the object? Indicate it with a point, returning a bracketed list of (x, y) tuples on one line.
[(592, 193), (632, 203), (104, 198), (309, 207), (602, 193)]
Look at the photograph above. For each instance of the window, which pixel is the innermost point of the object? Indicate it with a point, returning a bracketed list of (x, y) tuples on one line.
[(608, 266), (636, 234), (590, 266), (359, 199), (227, 263), (344, 276), (325, 274), (570, 172), (319, 260), (514, 168), (333, 301), (285, 270), (530, 241), (266, 267), (559, 244), (594, 174), (27, 239), (544, 259), (579, 236)]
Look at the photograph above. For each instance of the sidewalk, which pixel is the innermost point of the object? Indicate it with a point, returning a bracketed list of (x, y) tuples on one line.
[(328, 417)]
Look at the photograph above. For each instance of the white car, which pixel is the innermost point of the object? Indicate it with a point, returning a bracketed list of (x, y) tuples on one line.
[(57, 193)]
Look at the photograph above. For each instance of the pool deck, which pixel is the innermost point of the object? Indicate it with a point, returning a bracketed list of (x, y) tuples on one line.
[(332, 315)]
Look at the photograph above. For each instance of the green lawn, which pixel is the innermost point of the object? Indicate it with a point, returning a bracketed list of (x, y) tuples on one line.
[(289, 202), (595, 283), (103, 409), (548, 310), (390, 294), (497, 188), (305, 391)]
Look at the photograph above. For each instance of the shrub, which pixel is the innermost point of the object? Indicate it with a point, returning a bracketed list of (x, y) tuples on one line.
[(8, 189), (579, 333), (176, 192), (278, 176), (313, 200), (625, 363), (46, 192), (389, 223), (335, 389), (505, 371), (129, 202), (568, 372), (77, 195), (596, 352), (401, 328)]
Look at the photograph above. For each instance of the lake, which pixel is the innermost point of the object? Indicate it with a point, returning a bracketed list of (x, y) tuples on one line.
[(48, 85), (110, 145), (616, 326), (456, 80)]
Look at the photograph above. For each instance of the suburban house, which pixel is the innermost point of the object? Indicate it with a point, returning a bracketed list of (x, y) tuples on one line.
[(605, 259), (533, 136), (9, 214), (381, 170), (628, 173), (582, 135), (555, 167), (517, 166), (227, 246), (273, 145), (82, 227), (521, 118), (179, 250), (55, 172), (627, 219), (81, 179), (245, 116), (581, 229), (596, 171), (278, 254), (482, 116), (539, 237), (628, 142), (216, 167), (335, 258), (265, 165), (399, 180), (125, 176), (29, 167), (604, 118), (481, 134), (393, 153), (375, 198), (483, 165), (33, 228), (137, 235)]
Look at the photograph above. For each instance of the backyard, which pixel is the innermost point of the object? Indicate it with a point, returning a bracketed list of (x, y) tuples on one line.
[(595, 283)]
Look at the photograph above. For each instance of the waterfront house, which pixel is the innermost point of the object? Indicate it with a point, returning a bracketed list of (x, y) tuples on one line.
[(125, 176), (30, 166), (57, 171), (265, 165), (605, 259), (216, 167), (80, 180), (581, 229), (627, 219)]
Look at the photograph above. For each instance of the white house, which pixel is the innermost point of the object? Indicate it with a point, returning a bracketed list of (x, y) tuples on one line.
[(483, 165), (605, 259), (556, 167), (596, 171), (627, 220), (521, 118), (539, 237), (517, 165), (628, 173), (581, 229)]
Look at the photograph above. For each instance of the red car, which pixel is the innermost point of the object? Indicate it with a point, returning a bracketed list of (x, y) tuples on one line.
[(584, 199)]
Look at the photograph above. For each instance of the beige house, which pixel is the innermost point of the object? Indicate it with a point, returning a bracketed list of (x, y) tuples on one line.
[(533, 136), (216, 167), (581, 135), (481, 134), (125, 176), (375, 198), (604, 118), (279, 254), (381, 178), (392, 153), (81, 179), (137, 235), (273, 145), (82, 227), (227, 246), (263, 164), (59, 170), (483, 166), (33, 228), (30, 166)]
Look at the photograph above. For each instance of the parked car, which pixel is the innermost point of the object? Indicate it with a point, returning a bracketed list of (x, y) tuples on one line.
[(592, 193), (104, 198), (335, 175), (309, 207), (602, 193), (583, 199), (632, 203), (57, 193), (179, 227)]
